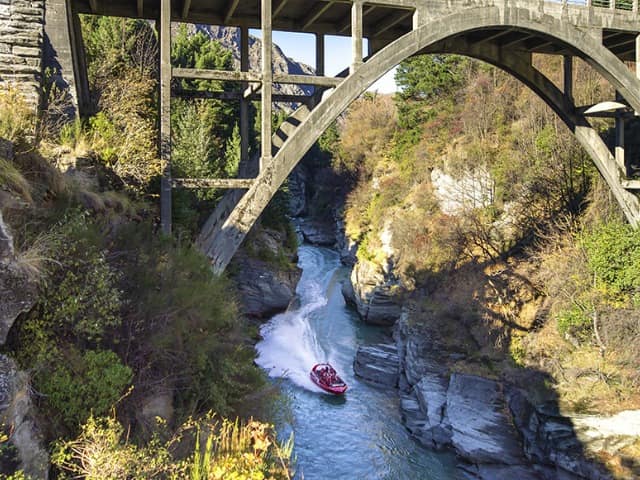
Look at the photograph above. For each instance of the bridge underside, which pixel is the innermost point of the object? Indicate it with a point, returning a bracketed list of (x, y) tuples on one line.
[(505, 35)]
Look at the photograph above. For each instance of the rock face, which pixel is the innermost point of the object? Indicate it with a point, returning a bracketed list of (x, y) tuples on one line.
[(265, 289), (345, 246), (318, 232), (298, 191), (374, 294), (17, 415), (17, 291), (6, 242), (378, 364), (494, 429)]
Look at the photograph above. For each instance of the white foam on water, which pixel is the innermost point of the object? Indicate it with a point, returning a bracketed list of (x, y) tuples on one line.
[(289, 347)]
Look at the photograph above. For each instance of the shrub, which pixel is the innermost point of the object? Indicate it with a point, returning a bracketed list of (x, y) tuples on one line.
[(81, 298), (613, 255), (81, 384), (575, 322), (102, 451), (216, 450), (185, 320)]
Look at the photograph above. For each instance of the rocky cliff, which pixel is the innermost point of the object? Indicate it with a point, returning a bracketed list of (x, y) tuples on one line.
[(498, 429)]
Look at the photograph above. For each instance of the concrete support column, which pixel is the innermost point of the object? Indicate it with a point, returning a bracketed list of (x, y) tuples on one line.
[(267, 82), (356, 34), (619, 146), (64, 51), (319, 54), (79, 62), (568, 77), (417, 18), (637, 57), (244, 104), (165, 115)]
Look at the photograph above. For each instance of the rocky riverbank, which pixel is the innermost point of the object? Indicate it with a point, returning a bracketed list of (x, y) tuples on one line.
[(496, 428), (18, 293)]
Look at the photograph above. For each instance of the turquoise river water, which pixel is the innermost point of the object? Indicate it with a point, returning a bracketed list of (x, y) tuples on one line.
[(359, 435)]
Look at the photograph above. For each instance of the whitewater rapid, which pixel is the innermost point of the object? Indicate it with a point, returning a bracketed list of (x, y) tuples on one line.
[(290, 345)]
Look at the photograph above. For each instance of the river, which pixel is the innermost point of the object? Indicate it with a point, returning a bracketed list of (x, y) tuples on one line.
[(359, 435)]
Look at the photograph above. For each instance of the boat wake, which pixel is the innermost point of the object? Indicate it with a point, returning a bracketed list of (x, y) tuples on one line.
[(289, 347)]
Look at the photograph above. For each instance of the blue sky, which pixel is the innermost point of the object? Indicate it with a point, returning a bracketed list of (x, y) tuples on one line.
[(301, 47)]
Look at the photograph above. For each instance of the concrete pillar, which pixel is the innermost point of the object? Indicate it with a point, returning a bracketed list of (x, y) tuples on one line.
[(244, 104), (64, 52), (79, 64), (637, 58), (568, 77), (356, 34), (417, 18), (319, 54), (619, 131), (267, 81), (165, 115)]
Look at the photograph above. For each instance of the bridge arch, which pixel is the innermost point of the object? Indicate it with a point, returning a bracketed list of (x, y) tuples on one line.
[(222, 242)]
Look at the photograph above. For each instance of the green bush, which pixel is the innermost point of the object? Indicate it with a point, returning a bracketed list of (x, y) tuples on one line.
[(81, 298), (186, 321), (81, 384), (613, 255), (575, 322)]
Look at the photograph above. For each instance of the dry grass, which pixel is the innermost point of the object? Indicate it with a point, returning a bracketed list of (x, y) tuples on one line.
[(34, 262), (17, 119), (12, 179)]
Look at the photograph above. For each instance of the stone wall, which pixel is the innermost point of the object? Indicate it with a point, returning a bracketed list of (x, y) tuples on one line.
[(21, 43)]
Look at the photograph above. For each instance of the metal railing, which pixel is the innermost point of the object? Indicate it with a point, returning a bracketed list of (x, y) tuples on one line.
[(626, 5)]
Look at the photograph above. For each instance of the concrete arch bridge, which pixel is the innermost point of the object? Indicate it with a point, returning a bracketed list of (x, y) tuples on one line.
[(505, 33)]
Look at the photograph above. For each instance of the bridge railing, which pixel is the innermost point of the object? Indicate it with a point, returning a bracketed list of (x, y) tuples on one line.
[(626, 5)]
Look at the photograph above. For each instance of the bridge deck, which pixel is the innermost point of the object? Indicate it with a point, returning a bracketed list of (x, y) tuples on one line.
[(383, 20), (332, 17)]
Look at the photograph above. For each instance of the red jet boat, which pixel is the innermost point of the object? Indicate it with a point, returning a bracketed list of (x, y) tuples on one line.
[(325, 376)]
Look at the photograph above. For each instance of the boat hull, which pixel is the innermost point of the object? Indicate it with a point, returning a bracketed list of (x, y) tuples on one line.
[(336, 388)]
